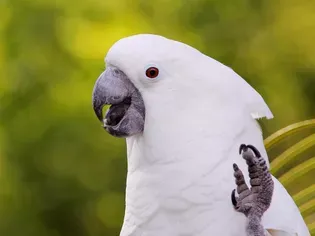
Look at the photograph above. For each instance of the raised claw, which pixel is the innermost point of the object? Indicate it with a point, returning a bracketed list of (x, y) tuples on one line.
[(255, 150), (255, 201), (234, 198), (242, 147)]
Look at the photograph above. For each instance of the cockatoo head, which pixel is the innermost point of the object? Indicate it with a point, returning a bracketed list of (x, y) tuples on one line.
[(141, 71), (152, 77)]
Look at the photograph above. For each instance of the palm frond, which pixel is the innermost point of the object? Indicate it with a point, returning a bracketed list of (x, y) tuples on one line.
[(305, 195), (297, 172), (278, 136), (291, 154), (305, 199)]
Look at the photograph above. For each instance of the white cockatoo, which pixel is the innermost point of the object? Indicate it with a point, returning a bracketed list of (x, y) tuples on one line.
[(184, 116)]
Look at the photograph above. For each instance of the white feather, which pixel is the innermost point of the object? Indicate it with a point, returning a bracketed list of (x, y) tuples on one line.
[(180, 174)]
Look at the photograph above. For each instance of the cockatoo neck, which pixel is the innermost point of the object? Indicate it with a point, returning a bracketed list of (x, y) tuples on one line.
[(191, 133)]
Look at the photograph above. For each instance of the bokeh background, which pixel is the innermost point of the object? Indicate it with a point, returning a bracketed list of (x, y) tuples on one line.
[(60, 173)]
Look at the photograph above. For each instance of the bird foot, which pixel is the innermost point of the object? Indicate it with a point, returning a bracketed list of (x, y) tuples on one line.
[(254, 201)]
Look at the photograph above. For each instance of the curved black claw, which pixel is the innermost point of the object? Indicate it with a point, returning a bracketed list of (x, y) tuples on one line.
[(255, 150), (233, 198), (242, 148)]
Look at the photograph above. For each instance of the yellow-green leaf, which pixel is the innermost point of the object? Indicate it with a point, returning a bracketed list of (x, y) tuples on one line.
[(308, 208), (287, 131), (291, 153), (305, 195), (297, 172)]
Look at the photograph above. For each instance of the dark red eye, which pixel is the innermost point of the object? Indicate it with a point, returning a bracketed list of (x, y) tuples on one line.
[(152, 72)]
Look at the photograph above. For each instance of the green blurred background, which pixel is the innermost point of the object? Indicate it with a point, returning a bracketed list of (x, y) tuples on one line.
[(60, 173)]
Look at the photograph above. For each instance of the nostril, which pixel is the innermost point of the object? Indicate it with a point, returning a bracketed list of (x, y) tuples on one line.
[(116, 72)]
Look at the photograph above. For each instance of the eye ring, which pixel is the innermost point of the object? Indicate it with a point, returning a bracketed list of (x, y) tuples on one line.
[(152, 72)]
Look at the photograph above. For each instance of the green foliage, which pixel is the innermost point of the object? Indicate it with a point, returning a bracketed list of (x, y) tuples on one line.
[(305, 199), (60, 173)]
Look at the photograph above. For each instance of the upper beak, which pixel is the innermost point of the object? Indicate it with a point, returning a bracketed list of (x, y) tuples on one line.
[(110, 88), (99, 101), (126, 115)]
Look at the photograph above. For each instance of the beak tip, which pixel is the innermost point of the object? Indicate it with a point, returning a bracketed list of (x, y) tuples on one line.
[(98, 112), (98, 108), (99, 115)]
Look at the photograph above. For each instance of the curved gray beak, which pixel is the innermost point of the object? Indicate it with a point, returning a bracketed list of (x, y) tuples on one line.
[(125, 117)]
